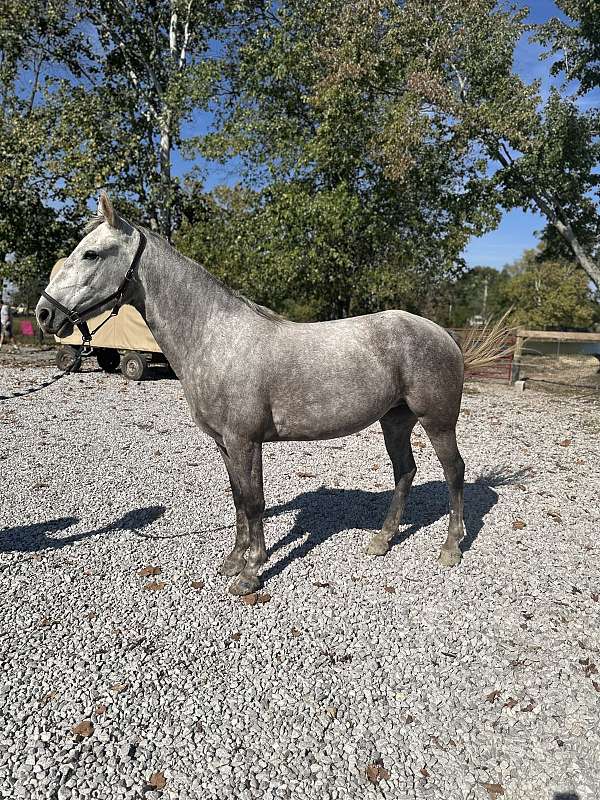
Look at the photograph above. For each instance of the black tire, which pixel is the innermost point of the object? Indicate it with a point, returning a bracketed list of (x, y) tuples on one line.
[(107, 359), (134, 366), (65, 357)]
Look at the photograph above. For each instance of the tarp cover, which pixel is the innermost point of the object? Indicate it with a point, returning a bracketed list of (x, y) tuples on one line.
[(126, 331)]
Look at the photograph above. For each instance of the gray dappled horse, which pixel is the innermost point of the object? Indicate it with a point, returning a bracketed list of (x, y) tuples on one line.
[(250, 376)]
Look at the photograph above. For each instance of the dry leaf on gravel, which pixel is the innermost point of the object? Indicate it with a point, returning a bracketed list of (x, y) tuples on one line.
[(424, 772), (296, 633), (595, 597), (493, 789), (518, 524), (409, 719), (511, 702), (84, 728), (235, 637), (305, 475), (376, 772), (493, 696), (596, 685), (155, 586), (197, 584), (321, 584), (263, 598), (157, 780), (565, 442), (101, 709), (40, 486), (390, 589), (375, 467), (250, 599), (117, 688), (555, 515), (146, 572)]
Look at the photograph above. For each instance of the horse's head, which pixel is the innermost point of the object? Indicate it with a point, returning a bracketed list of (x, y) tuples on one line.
[(93, 271)]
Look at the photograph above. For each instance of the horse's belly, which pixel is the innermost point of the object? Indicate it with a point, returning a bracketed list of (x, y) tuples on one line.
[(327, 418)]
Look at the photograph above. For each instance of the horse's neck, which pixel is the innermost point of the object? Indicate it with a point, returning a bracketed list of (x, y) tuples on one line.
[(180, 301)]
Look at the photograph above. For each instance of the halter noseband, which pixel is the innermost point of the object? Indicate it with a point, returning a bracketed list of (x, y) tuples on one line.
[(75, 317)]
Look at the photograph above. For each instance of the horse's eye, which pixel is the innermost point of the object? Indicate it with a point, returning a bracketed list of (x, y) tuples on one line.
[(90, 255)]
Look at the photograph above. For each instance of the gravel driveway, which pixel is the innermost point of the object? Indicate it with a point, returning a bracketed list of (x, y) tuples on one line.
[(356, 677)]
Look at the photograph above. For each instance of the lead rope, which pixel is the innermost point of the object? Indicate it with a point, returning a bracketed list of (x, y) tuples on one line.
[(74, 365)]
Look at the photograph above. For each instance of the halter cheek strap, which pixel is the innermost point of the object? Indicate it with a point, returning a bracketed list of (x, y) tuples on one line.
[(75, 317)]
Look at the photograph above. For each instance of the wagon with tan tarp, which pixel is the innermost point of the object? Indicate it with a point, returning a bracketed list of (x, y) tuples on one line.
[(125, 341)]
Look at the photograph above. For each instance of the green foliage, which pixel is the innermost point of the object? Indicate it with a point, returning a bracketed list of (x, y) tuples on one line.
[(548, 294)]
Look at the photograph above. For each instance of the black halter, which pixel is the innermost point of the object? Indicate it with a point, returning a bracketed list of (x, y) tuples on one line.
[(75, 317)]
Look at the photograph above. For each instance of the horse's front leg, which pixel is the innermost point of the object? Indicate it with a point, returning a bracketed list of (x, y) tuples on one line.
[(244, 464), (235, 562)]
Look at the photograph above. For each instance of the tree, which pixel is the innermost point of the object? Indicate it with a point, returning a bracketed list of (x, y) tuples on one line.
[(549, 294), (112, 104), (363, 197)]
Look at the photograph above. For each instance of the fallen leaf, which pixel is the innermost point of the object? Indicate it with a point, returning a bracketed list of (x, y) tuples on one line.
[(84, 728), (580, 461), (424, 772), (101, 709), (518, 524), (296, 633), (40, 486), (595, 597), (305, 475), (565, 442), (376, 772), (91, 615), (390, 589), (146, 572), (263, 598), (591, 669), (48, 696), (235, 637), (155, 586), (375, 467), (409, 719), (197, 584), (250, 599), (596, 685), (493, 789), (117, 688), (493, 696), (157, 780), (528, 708), (555, 515), (511, 702), (321, 584)]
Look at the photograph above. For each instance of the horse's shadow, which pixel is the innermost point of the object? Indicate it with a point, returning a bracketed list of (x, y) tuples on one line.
[(326, 512), (41, 535)]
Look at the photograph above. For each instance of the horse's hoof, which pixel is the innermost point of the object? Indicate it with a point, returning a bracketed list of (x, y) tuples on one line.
[(232, 567), (245, 584), (377, 547), (450, 558)]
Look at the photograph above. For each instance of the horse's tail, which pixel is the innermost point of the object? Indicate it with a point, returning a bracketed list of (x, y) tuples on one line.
[(481, 347)]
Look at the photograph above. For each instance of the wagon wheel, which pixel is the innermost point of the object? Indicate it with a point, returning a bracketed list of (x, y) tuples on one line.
[(107, 359), (134, 366), (66, 357)]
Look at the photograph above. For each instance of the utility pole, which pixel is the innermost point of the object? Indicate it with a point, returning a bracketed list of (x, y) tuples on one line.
[(486, 282)]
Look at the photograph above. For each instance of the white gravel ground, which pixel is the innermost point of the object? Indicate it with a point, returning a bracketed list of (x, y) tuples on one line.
[(476, 682)]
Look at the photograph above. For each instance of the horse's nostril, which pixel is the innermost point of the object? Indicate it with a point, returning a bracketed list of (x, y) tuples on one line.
[(43, 314)]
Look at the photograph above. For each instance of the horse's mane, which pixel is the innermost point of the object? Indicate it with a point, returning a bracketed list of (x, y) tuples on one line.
[(98, 219)]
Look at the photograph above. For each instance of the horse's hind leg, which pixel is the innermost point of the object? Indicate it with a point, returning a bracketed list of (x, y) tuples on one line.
[(444, 444), (397, 426)]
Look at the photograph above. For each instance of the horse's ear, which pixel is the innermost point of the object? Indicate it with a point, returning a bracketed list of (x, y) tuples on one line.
[(105, 207)]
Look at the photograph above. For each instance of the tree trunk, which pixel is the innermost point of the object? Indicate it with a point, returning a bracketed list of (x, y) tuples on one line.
[(165, 176)]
